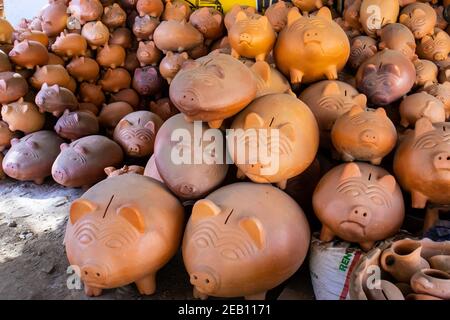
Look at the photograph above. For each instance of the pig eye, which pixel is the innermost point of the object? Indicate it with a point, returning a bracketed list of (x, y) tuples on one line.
[(230, 254), (202, 243), (127, 136), (377, 200), (113, 243), (85, 239), (352, 193)]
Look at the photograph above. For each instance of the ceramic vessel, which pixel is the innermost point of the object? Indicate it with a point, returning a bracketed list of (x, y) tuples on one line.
[(432, 282)]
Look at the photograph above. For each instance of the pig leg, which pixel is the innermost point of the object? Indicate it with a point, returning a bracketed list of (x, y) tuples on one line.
[(146, 285), (331, 73), (235, 54), (91, 291), (404, 123), (258, 296), (282, 184), (376, 161), (261, 57), (39, 181), (326, 234), (216, 124), (431, 217), (419, 201), (347, 157), (296, 76), (198, 295), (366, 246), (240, 174)]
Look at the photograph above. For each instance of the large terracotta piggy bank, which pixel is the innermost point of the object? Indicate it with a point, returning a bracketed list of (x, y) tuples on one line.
[(359, 203), (69, 45), (54, 18), (328, 100), (95, 33), (396, 36), (426, 71), (420, 18), (386, 77), (176, 36), (422, 163), (136, 133), (178, 162), (75, 125), (436, 47), (375, 14), (421, 105), (234, 235), (209, 22), (86, 10), (6, 31), (171, 64), (23, 116), (310, 48), (108, 222), (6, 136), (201, 89), (31, 157), (251, 37), (29, 54), (56, 100), (279, 134), (83, 69), (82, 163), (364, 134), (12, 87), (362, 48)]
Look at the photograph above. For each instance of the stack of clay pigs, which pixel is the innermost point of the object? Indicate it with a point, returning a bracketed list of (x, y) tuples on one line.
[(101, 89)]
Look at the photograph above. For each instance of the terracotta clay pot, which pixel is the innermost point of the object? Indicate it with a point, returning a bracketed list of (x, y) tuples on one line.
[(12, 87), (375, 14), (209, 22), (147, 81), (23, 116), (340, 202), (171, 64), (436, 47), (115, 80), (92, 93), (86, 10), (6, 31), (388, 291), (144, 27), (241, 214), (5, 136), (92, 154), (122, 37), (112, 113), (153, 8), (425, 148), (148, 54), (129, 96), (95, 33), (176, 36), (420, 18), (56, 100), (440, 91), (75, 125), (362, 48), (114, 16), (51, 74), (54, 18), (113, 172), (31, 157), (69, 45), (421, 105), (440, 262), (176, 10), (432, 282), (135, 216), (83, 69), (426, 71), (396, 36), (277, 14), (402, 260), (111, 56), (164, 108), (415, 296)]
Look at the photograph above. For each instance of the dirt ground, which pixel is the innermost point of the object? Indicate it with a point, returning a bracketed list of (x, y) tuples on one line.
[(33, 262)]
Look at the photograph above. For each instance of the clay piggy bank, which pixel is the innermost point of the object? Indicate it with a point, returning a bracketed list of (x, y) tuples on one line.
[(34, 35), (285, 127), (153, 8), (55, 99), (108, 222), (144, 27), (131, 62), (200, 89), (386, 77), (114, 16), (147, 81), (115, 80), (420, 18), (129, 96), (86, 10), (23, 116), (69, 45), (233, 235), (31, 157), (171, 64), (112, 113), (50, 74), (351, 14), (427, 148), (421, 105), (5, 136), (311, 47), (230, 16), (277, 14), (164, 108), (82, 163), (95, 33), (111, 56), (209, 22), (91, 93), (426, 71), (75, 125), (5, 64), (122, 37), (307, 6), (268, 79), (29, 54), (12, 87), (148, 54), (440, 91), (113, 172), (176, 36), (436, 47), (54, 18), (55, 59), (362, 48), (136, 133), (83, 69), (328, 100), (359, 203), (6, 31), (396, 36), (182, 174), (375, 14), (177, 10), (364, 134)]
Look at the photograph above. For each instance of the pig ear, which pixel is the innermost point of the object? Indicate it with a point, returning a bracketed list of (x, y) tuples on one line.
[(63, 146), (391, 68), (288, 131), (150, 125), (262, 68), (14, 141), (373, 48), (169, 54), (403, 18), (357, 42), (44, 86), (423, 125), (133, 216), (189, 64), (241, 16), (428, 111), (428, 84), (382, 45), (203, 209), (425, 39), (264, 22), (370, 68), (388, 182), (360, 100), (2, 84), (32, 144), (184, 55), (293, 15), (325, 13), (25, 108), (217, 70), (80, 149), (355, 110), (253, 120), (79, 208), (109, 170), (218, 18), (351, 170), (253, 227), (124, 123), (412, 45), (330, 89), (419, 12), (381, 112)]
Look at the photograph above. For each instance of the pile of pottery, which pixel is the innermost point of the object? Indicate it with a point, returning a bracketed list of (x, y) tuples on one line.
[(353, 106)]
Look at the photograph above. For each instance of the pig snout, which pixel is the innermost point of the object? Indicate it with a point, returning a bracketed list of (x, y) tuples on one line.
[(12, 168), (187, 189), (59, 175), (439, 56), (40, 100), (418, 34), (360, 215), (204, 280), (92, 273), (369, 136), (442, 161), (312, 35), (134, 149), (245, 38), (188, 99)]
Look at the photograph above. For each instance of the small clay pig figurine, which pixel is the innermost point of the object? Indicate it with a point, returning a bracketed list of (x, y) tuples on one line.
[(86, 10), (359, 203), (115, 80), (136, 133), (268, 79), (50, 74), (82, 163), (55, 99), (54, 18), (31, 157), (364, 134), (426, 71), (29, 54), (70, 45), (122, 37), (153, 8), (396, 36), (34, 35), (109, 222), (436, 47), (209, 22), (83, 69), (148, 54), (386, 77), (23, 116), (277, 14), (362, 48), (171, 64), (201, 88), (233, 235), (421, 105), (12, 87), (113, 172), (328, 100), (6, 31), (111, 56), (164, 108), (177, 10), (114, 16), (91, 93), (307, 6), (175, 162), (375, 14), (147, 81), (290, 148), (311, 47), (420, 18), (95, 33), (351, 15), (75, 125), (440, 91), (112, 113), (144, 27), (251, 37), (422, 163), (176, 36), (129, 96), (6, 136)]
